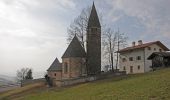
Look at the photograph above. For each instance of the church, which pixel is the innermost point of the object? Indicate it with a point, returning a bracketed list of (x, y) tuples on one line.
[(76, 62)]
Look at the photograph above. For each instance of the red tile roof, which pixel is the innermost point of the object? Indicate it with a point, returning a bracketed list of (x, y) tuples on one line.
[(144, 45)]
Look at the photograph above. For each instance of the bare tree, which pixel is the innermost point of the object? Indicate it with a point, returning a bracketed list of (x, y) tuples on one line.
[(113, 41), (121, 40), (22, 73), (79, 26), (109, 42)]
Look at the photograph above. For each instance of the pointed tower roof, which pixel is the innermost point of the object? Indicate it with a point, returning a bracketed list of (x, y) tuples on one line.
[(74, 49), (55, 66), (93, 19)]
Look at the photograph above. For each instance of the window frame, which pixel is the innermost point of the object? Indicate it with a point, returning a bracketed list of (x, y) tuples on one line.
[(149, 48), (154, 49), (124, 60), (138, 58), (160, 50), (138, 67), (130, 58)]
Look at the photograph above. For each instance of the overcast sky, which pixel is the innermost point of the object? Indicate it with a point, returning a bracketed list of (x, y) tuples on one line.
[(33, 32)]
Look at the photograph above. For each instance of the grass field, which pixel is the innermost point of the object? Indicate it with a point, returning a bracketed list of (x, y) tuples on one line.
[(148, 86)]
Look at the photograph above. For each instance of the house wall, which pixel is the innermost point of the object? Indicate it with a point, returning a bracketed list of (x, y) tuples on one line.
[(143, 63), (148, 63), (76, 67), (55, 74), (135, 63)]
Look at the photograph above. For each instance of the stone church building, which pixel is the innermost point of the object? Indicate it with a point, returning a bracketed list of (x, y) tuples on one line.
[(76, 62)]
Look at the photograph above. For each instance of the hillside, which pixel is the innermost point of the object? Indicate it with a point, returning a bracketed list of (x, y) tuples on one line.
[(148, 86), (7, 80), (7, 83)]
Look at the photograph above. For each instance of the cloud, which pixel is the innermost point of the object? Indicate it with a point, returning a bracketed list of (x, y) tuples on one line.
[(153, 14), (31, 32)]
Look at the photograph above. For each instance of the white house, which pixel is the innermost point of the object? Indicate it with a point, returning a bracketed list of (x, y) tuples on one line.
[(134, 59)]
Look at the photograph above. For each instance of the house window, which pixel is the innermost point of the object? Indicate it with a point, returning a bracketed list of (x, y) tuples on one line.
[(131, 59), (149, 48), (154, 49), (123, 59), (65, 67), (160, 50), (138, 58), (55, 74), (124, 68), (138, 67)]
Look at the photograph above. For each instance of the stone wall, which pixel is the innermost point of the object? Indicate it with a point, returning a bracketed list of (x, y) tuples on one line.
[(73, 81), (76, 67), (68, 82), (55, 74), (32, 81)]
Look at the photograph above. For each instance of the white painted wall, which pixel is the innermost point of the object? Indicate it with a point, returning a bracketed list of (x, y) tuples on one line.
[(148, 63), (135, 63), (143, 63)]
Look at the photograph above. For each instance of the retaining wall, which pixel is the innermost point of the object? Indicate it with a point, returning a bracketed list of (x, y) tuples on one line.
[(32, 81), (67, 82)]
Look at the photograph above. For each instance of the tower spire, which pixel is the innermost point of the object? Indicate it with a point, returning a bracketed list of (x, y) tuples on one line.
[(93, 43), (93, 19)]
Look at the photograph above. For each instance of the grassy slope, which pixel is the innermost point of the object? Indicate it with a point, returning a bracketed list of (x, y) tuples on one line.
[(149, 86), (21, 90)]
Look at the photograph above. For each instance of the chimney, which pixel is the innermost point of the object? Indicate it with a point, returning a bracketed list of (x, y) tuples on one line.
[(133, 44), (140, 42)]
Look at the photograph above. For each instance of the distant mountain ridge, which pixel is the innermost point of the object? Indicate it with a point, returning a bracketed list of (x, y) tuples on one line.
[(5, 80), (8, 83)]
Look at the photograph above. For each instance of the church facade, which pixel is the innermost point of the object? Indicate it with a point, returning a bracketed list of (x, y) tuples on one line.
[(76, 62)]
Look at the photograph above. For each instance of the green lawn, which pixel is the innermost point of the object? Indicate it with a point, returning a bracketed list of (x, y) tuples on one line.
[(148, 86)]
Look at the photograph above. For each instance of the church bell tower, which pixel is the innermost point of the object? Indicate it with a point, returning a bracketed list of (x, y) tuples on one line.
[(93, 43)]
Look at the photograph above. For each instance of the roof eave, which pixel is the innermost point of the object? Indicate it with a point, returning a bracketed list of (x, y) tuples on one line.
[(128, 50)]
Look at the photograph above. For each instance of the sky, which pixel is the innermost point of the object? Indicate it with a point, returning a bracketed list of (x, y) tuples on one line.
[(34, 32)]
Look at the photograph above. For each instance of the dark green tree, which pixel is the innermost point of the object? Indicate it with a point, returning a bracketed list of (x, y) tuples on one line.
[(48, 80), (29, 74)]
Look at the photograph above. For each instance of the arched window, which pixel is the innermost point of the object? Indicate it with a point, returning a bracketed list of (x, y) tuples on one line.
[(65, 67)]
